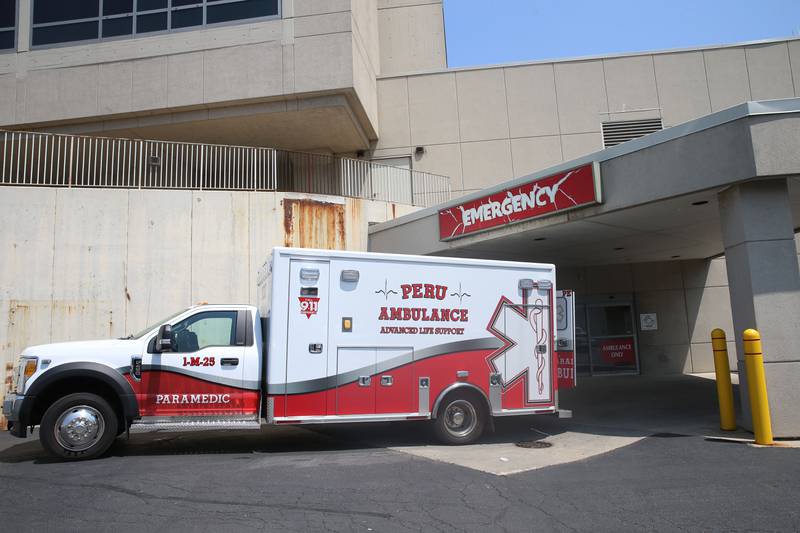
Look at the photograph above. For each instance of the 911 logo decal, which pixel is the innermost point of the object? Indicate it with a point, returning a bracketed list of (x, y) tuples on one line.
[(308, 305)]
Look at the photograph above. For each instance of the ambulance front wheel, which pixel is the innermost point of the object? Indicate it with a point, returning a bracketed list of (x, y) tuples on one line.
[(78, 426), (460, 420)]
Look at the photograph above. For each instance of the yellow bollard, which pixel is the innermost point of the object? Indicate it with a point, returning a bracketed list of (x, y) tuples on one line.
[(757, 387), (727, 415)]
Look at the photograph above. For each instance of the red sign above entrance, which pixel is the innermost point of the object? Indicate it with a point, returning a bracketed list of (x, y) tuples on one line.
[(574, 188), (617, 352)]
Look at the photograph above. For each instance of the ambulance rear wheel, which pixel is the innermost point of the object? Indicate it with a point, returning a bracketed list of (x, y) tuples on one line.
[(460, 420), (78, 426)]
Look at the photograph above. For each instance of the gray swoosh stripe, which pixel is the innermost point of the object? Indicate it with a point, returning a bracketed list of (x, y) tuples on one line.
[(228, 382), (329, 382)]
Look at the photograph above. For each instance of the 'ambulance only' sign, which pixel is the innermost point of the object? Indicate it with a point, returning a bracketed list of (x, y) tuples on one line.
[(574, 188)]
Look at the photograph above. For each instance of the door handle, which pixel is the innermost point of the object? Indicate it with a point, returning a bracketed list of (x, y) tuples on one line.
[(229, 361), (387, 381), (315, 348)]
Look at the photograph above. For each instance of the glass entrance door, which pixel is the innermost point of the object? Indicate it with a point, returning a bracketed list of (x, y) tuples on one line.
[(605, 339)]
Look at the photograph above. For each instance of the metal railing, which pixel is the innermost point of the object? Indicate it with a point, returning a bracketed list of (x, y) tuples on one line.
[(56, 160)]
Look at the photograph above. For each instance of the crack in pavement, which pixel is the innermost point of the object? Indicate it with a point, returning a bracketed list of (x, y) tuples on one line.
[(147, 496)]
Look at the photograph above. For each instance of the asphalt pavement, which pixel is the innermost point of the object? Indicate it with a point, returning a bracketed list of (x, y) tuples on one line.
[(367, 478)]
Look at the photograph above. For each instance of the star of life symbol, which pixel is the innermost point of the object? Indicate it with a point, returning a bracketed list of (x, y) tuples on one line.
[(524, 354)]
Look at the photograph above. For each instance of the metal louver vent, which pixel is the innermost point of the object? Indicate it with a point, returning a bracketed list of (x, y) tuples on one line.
[(618, 132)]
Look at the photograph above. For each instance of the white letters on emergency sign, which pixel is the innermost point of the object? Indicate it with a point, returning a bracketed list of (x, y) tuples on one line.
[(192, 398), (513, 203)]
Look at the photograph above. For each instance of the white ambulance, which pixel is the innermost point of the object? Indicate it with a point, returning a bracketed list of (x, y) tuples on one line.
[(336, 337)]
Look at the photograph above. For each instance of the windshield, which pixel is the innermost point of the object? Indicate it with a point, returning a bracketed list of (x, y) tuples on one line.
[(156, 324)]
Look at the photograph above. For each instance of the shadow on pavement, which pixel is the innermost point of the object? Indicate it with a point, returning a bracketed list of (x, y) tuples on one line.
[(610, 406)]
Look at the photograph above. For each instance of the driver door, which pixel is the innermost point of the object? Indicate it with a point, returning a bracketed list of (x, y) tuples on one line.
[(203, 374)]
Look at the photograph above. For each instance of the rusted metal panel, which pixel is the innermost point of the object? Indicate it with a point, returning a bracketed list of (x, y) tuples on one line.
[(314, 224)]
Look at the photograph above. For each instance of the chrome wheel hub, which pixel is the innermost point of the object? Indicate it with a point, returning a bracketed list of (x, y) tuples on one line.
[(460, 418), (79, 427)]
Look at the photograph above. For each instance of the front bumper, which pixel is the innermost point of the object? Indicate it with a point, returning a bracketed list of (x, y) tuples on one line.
[(12, 409)]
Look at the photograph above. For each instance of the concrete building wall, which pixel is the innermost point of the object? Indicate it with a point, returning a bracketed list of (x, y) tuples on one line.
[(690, 298), (316, 47), (411, 35), (485, 125), (80, 263)]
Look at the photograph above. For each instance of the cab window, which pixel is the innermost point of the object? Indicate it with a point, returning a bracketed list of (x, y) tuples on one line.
[(210, 328)]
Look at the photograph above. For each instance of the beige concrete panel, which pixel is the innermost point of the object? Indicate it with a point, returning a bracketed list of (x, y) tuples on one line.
[(572, 278), (77, 91), (699, 273), (485, 163), (769, 70), (287, 52), (657, 276), (90, 264), (482, 110), (581, 93), (580, 144), (365, 27), (185, 79), (703, 357), (609, 279), (220, 247), (665, 359), (388, 4), (535, 153), (682, 87), (411, 38), (708, 309), (794, 62), (393, 117), (433, 109), (8, 90), (365, 85), (670, 306), (323, 62), (323, 23), (304, 8), (116, 86), (27, 218), (532, 103), (150, 83), (242, 72), (442, 159), (728, 84), (159, 276), (784, 397), (266, 232), (631, 85), (41, 96)]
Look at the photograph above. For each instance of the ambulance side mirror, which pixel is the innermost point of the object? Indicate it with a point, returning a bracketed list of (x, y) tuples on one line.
[(164, 339)]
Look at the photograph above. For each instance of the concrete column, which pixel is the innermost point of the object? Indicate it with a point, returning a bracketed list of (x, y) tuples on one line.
[(24, 25), (764, 284)]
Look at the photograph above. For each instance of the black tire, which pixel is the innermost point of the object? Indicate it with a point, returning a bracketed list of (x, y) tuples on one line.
[(461, 419), (94, 422)]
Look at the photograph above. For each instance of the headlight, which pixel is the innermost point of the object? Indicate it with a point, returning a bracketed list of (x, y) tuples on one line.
[(27, 368)]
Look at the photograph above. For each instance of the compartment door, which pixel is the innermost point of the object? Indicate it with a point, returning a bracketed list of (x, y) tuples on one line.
[(396, 387), (307, 338), (355, 381)]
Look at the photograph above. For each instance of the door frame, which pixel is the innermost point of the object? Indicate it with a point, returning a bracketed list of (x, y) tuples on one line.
[(617, 301)]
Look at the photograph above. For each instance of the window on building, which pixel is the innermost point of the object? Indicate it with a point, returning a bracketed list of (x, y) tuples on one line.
[(60, 22), (8, 23)]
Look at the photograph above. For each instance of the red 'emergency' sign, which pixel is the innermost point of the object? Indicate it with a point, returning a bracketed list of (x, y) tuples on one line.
[(559, 192)]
